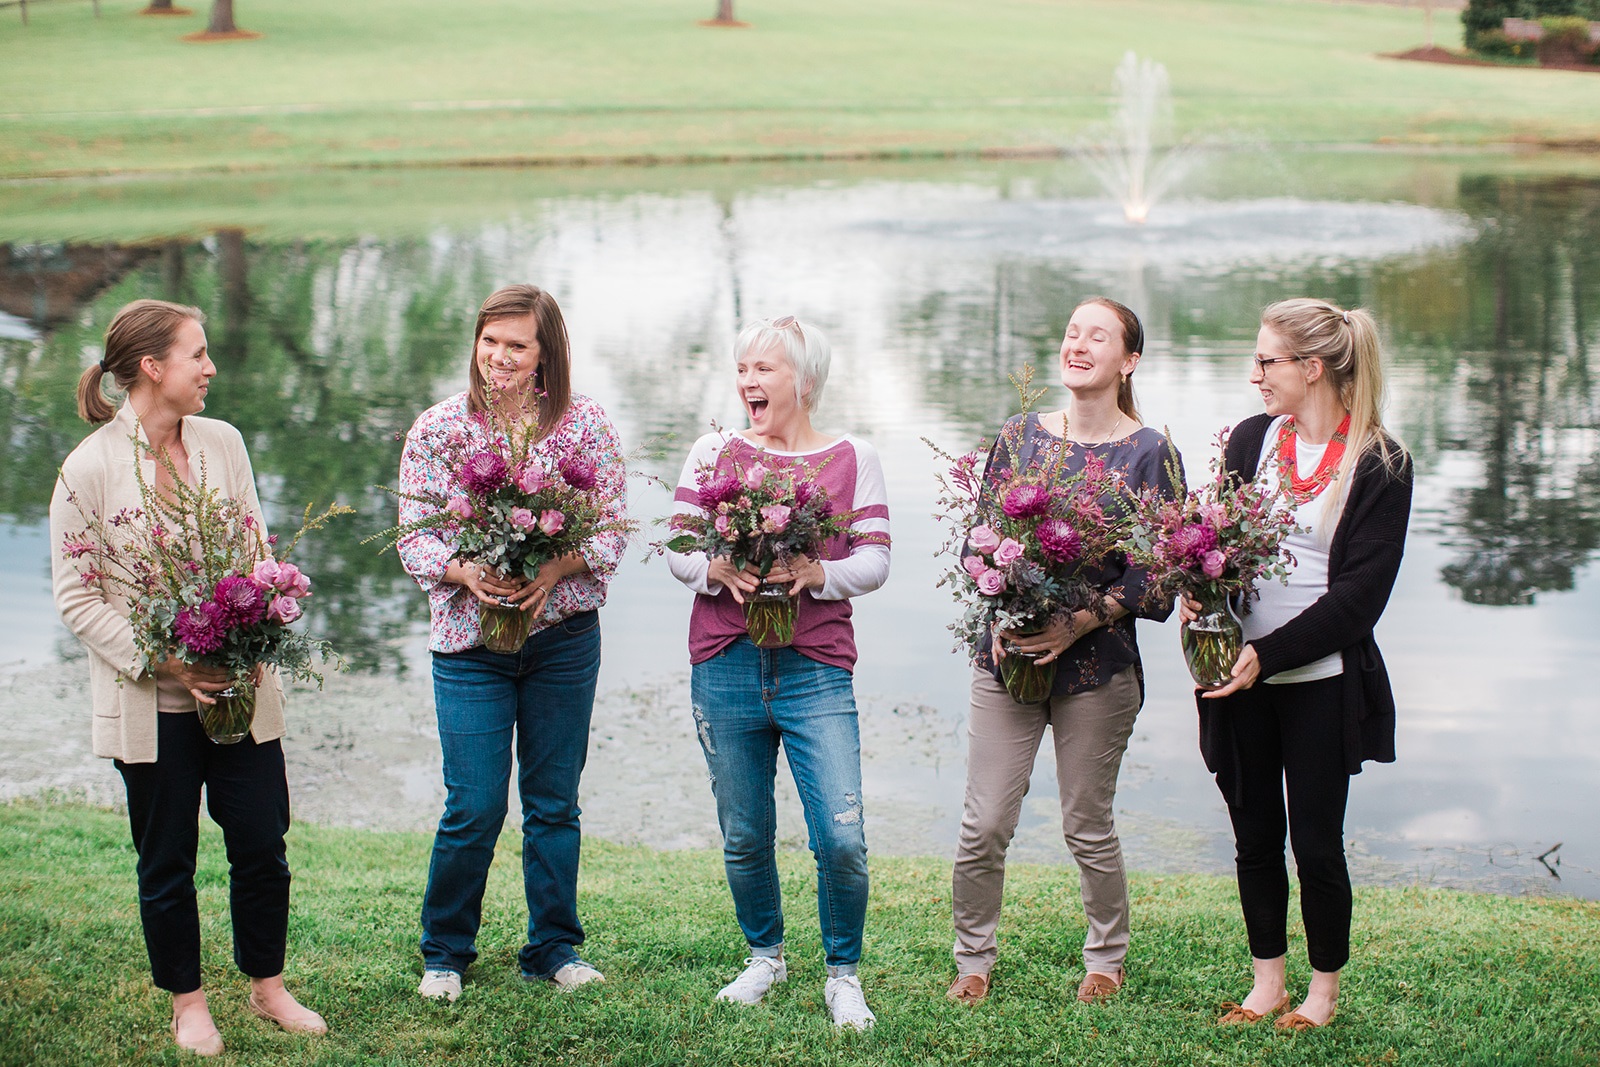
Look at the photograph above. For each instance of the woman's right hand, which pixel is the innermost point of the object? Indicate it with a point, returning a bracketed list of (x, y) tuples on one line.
[(200, 681), (738, 582), (485, 583), (1188, 608)]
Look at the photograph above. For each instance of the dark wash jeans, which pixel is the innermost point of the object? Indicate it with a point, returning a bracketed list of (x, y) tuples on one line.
[(540, 699), (247, 795)]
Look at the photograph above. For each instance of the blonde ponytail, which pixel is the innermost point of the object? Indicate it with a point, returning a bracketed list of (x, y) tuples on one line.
[(1346, 342)]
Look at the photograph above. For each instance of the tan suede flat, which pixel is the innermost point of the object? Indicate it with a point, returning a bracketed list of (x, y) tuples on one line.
[(1239, 1015), (969, 989), (1097, 987)]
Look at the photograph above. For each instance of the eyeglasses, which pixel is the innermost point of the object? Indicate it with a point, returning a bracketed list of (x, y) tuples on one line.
[(785, 322), (1265, 363)]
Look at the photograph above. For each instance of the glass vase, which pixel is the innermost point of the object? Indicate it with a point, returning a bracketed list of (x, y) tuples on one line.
[(1212, 643), (770, 614), (1024, 678), (228, 720), (504, 628)]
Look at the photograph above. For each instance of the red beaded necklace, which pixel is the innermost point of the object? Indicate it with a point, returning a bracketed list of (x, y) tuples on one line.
[(1304, 489)]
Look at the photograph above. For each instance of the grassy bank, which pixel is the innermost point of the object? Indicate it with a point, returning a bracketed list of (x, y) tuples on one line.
[(375, 82), (1438, 977)]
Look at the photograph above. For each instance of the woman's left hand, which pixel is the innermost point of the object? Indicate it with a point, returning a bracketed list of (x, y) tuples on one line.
[(1246, 670), (536, 594), (1053, 640), (801, 573)]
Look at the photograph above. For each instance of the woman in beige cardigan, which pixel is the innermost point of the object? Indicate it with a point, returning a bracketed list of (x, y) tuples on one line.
[(146, 721)]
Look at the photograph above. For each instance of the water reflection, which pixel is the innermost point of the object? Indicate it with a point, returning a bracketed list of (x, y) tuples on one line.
[(932, 292)]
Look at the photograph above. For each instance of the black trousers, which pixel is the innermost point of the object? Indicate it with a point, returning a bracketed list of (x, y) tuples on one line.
[(1291, 745), (247, 795)]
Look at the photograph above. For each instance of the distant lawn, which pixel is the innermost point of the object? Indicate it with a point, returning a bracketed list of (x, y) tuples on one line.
[(1438, 977), (407, 81)]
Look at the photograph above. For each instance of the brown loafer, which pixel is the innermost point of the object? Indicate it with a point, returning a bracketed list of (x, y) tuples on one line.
[(1239, 1015), (305, 1021), (1297, 1022), (969, 989), (1097, 987)]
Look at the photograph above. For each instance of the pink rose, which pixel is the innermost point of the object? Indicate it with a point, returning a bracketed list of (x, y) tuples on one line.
[(983, 539), (754, 476), (530, 479), (522, 517), (1213, 515), (777, 516), (723, 525), (284, 609), (265, 574), (974, 565), (551, 522), (1007, 552), (991, 583), (461, 508), (1213, 563), (291, 582)]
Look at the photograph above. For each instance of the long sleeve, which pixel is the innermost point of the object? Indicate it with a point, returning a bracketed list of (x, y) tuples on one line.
[(604, 553), (692, 568), (425, 554), (866, 568), (1133, 588), (1374, 531), (103, 628)]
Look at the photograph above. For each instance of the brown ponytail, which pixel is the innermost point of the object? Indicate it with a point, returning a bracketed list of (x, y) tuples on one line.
[(1132, 343), (142, 328)]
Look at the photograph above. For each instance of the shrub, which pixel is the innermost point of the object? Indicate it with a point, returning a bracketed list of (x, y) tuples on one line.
[(1497, 45), (1565, 41), (1483, 17)]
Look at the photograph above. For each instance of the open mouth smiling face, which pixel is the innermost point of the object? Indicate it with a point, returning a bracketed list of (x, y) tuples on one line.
[(766, 385), (1093, 351)]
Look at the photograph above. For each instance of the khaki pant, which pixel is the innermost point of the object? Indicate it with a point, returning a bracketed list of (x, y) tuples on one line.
[(1091, 732)]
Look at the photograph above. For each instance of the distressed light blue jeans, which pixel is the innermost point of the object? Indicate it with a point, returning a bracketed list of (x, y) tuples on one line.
[(538, 700), (748, 701)]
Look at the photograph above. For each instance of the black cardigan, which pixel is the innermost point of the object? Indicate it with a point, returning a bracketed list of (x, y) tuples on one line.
[(1363, 560)]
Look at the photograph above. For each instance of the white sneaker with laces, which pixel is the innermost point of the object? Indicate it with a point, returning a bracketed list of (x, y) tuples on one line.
[(440, 985), (570, 976), (847, 1003), (760, 974)]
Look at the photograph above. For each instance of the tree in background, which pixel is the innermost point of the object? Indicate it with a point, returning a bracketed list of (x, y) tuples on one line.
[(164, 7), (221, 17), (724, 16)]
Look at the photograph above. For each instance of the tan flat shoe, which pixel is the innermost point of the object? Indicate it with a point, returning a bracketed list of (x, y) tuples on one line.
[(969, 988), (1097, 987), (1297, 1022), (305, 1021), (1239, 1015), (210, 1045)]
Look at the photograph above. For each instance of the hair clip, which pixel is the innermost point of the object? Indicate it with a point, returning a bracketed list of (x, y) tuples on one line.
[(1346, 316)]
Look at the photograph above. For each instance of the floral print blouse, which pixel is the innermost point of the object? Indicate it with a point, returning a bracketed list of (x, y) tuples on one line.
[(1135, 461), (427, 553)]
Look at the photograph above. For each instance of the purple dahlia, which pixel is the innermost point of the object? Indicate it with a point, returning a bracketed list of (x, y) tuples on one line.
[(1058, 540), (242, 601), (484, 472), (1192, 542), (578, 473), (717, 489), (201, 628), (1026, 502)]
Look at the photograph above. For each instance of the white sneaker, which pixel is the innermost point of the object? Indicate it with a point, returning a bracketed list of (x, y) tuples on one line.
[(760, 974), (847, 1003), (570, 976), (440, 985)]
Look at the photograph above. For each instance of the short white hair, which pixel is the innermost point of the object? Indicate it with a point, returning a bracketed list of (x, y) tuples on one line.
[(803, 345)]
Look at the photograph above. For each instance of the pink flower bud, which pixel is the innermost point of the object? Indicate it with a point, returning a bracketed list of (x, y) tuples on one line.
[(974, 565), (522, 517), (551, 522), (1007, 552), (754, 476), (723, 525), (991, 583), (265, 574), (461, 508), (284, 609), (777, 517), (983, 539), (1213, 564)]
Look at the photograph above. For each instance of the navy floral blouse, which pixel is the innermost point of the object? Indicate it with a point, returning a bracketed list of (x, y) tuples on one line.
[(1136, 462)]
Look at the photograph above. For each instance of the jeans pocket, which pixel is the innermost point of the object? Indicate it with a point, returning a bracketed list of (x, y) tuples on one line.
[(580, 623)]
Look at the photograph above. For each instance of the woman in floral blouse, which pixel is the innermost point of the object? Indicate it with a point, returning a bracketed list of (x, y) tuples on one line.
[(540, 697)]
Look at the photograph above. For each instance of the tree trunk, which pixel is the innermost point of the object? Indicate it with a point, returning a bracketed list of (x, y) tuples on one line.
[(222, 17), (725, 11), (158, 6), (234, 275)]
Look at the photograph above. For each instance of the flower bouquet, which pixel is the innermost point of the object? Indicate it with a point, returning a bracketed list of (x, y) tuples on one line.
[(765, 515), (204, 587), (1024, 541), (1213, 544), (517, 508)]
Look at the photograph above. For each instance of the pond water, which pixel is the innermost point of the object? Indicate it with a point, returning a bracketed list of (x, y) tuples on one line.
[(342, 305)]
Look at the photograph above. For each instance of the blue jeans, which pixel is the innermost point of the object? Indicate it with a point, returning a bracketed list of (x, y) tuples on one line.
[(748, 700), (542, 697)]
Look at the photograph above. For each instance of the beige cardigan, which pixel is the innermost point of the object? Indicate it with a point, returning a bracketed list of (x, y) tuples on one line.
[(100, 472)]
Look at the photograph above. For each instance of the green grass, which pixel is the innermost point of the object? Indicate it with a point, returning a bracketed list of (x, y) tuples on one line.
[(1437, 978), (374, 82)]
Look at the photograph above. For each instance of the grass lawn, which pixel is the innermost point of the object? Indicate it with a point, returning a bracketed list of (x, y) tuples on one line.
[(1438, 977), (372, 82)]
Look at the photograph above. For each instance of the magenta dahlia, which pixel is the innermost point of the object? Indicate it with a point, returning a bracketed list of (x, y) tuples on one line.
[(241, 600), (579, 473), (1026, 502), (717, 489), (1192, 542), (201, 629), (484, 472), (1058, 540)]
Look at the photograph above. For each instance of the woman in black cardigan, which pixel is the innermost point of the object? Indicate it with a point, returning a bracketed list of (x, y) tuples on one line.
[(1283, 751)]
